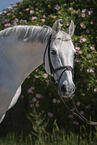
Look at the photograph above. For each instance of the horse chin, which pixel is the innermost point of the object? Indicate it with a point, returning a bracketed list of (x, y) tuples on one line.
[(66, 96)]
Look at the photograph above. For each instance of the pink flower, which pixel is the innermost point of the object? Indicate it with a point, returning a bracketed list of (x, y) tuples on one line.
[(78, 103), (8, 14), (34, 99), (77, 48), (36, 76), (31, 12), (70, 8), (82, 40), (54, 17), (58, 101), (87, 31), (91, 22), (83, 15), (15, 5), (45, 75), (76, 123), (9, 7), (7, 25), (70, 116), (44, 16), (47, 81), (54, 100), (14, 23), (77, 60), (90, 12), (95, 90), (5, 12), (57, 7), (92, 48), (27, 9), (50, 114), (37, 105), (43, 20), (16, 20), (90, 70), (30, 90), (84, 10), (80, 52), (82, 25), (25, 21), (38, 96), (6, 20), (33, 80), (33, 18)]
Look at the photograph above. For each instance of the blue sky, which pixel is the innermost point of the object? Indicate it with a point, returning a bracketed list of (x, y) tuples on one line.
[(6, 3)]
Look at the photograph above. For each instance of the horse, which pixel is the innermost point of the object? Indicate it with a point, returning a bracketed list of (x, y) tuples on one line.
[(22, 49)]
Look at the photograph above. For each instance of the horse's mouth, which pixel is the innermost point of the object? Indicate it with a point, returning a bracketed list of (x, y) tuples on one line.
[(67, 95)]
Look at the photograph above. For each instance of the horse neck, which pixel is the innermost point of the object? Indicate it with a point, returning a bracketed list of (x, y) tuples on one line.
[(24, 57), (29, 58)]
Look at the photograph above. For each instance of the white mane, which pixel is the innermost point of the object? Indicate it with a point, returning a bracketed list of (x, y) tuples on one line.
[(28, 33)]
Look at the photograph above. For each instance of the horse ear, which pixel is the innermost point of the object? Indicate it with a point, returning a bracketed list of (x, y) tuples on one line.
[(71, 29), (57, 26)]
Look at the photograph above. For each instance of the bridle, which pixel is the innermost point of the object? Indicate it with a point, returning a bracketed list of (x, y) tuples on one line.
[(64, 68), (52, 69)]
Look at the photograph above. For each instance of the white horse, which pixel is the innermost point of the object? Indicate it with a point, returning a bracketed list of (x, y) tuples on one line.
[(21, 51)]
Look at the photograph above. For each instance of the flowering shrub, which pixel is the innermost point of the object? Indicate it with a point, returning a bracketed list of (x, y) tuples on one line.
[(37, 91)]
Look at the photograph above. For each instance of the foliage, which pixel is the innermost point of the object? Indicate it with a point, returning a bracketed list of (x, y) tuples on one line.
[(37, 90)]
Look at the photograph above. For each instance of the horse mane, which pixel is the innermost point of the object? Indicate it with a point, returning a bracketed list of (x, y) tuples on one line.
[(28, 33)]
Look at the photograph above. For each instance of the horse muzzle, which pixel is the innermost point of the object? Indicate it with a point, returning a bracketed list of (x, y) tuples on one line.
[(66, 91)]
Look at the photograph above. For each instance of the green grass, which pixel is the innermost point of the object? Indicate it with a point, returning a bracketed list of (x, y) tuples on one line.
[(57, 137), (10, 139), (71, 139)]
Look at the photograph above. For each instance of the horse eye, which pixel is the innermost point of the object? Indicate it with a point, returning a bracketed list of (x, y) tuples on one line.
[(53, 52)]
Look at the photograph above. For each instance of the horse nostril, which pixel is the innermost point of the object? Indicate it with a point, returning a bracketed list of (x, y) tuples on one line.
[(63, 88)]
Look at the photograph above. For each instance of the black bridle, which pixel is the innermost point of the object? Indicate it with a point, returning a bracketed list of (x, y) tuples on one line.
[(52, 70)]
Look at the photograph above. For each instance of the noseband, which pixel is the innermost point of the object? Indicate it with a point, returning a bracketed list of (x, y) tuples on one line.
[(52, 70)]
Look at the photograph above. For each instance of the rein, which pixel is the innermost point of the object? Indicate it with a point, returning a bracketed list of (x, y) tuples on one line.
[(78, 114), (53, 82)]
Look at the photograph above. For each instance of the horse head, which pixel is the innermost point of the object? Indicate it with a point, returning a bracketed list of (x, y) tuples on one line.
[(59, 58)]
